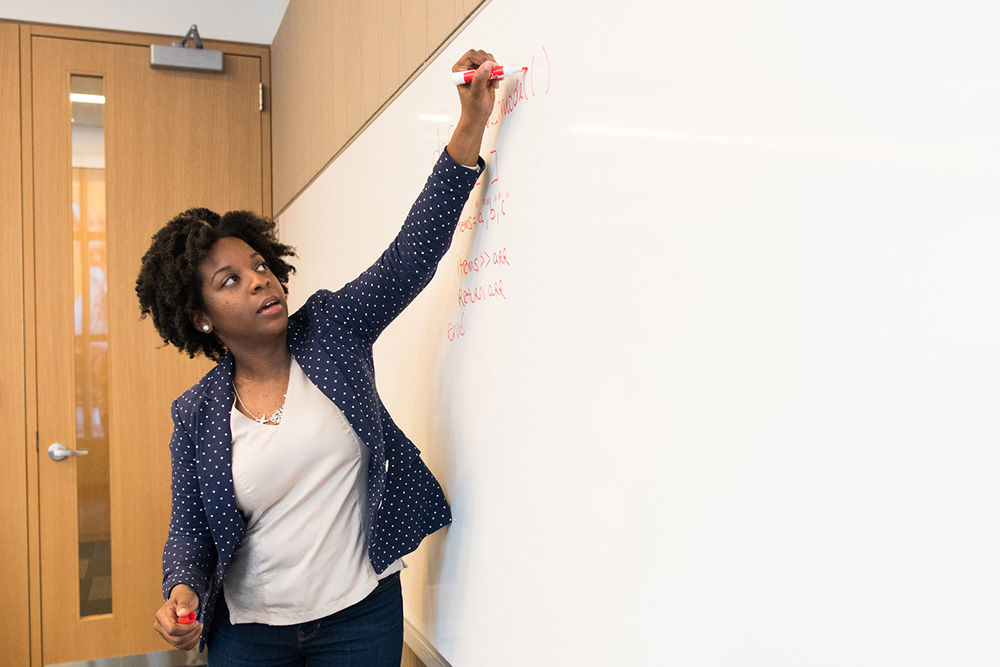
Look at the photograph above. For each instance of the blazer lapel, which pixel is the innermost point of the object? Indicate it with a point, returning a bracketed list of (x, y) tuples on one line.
[(215, 461)]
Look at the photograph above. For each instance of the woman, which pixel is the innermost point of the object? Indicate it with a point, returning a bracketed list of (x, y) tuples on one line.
[(294, 493)]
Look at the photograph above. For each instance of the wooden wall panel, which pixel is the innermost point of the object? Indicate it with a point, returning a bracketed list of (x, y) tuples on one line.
[(334, 64), (14, 634)]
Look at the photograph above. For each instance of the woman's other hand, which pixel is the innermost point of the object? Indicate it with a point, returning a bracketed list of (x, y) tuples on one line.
[(478, 98), (183, 600)]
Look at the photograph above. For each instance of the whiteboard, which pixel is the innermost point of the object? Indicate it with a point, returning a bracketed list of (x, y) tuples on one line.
[(710, 373)]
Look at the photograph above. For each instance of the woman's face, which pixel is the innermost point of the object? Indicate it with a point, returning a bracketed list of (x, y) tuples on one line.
[(244, 302)]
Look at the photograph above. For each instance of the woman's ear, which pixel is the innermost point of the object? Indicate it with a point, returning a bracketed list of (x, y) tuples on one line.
[(200, 322)]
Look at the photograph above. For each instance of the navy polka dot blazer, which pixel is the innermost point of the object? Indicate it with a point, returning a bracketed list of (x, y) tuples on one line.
[(331, 337)]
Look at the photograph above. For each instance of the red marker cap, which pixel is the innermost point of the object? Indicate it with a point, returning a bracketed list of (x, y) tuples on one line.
[(186, 620)]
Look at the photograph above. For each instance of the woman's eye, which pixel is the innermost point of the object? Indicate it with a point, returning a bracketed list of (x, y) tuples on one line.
[(262, 267), (230, 280)]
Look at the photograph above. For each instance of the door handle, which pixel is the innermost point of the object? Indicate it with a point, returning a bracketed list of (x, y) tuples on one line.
[(58, 452)]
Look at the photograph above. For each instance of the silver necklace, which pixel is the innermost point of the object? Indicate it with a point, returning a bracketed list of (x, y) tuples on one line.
[(263, 419)]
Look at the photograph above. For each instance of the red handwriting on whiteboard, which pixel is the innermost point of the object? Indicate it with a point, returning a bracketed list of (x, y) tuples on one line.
[(441, 144), (548, 73), (492, 169), (515, 93), (497, 258), (490, 209), (507, 103), (470, 296), (456, 331), (480, 293), (531, 84)]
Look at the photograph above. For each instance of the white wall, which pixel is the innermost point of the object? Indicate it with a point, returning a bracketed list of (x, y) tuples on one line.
[(253, 21)]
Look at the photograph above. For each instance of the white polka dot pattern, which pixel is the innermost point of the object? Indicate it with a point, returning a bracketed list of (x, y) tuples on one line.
[(331, 337)]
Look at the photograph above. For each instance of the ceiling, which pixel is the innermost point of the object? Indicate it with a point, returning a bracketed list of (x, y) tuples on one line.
[(253, 21)]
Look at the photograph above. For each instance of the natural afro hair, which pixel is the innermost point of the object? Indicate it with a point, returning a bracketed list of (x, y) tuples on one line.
[(169, 282)]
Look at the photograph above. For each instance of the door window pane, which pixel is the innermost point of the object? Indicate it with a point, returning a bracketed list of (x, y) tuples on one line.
[(90, 319)]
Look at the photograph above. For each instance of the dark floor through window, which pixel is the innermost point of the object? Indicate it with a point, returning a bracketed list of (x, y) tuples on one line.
[(95, 578)]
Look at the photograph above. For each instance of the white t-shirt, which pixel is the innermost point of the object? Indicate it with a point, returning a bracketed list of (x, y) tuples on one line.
[(302, 488)]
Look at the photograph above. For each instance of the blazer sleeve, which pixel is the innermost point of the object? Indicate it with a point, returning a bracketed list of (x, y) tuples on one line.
[(189, 554), (369, 303)]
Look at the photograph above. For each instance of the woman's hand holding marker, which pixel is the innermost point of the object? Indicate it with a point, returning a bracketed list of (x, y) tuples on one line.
[(478, 98), (176, 621)]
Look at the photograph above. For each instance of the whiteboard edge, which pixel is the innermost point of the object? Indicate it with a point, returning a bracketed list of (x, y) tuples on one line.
[(392, 98), (420, 645)]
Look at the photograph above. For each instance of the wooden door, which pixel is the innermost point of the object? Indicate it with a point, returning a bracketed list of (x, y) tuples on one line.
[(172, 140)]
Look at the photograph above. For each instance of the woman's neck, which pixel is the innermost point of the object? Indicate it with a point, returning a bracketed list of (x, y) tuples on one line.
[(263, 362)]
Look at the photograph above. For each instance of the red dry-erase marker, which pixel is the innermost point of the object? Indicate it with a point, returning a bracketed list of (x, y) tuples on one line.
[(187, 620), (458, 78)]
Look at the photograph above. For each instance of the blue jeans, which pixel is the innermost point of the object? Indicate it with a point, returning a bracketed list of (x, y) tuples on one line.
[(368, 634)]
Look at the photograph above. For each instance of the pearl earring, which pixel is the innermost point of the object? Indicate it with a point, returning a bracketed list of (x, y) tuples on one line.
[(205, 328)]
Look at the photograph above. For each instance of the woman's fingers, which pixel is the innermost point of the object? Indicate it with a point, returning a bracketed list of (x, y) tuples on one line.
[(475, 59), (178, 635), (471, 60)]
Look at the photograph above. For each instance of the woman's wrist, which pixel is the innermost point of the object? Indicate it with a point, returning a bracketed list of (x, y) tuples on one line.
[(465, 142)]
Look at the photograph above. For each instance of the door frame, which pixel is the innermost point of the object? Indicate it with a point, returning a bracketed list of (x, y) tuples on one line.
[(28, 570), (13, 476)]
